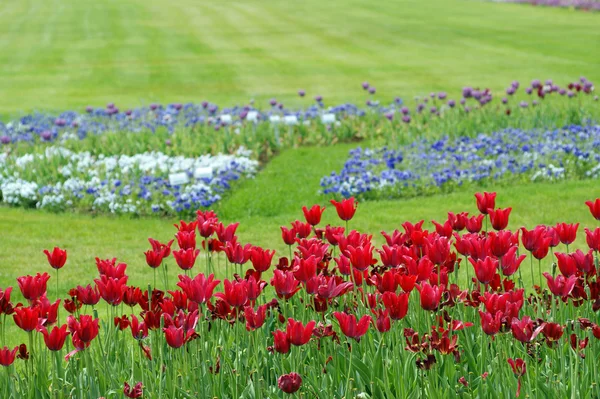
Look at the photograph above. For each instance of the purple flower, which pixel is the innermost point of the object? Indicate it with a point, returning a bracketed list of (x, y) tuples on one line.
[(204, 104), (405, 110), (177, 106), (534, 103), (433, 110), (46, 135), (301, 93), (273, 102), (504, 100), (523, 104), (515, 84), (536, 83), (365, 85), (89, 109), (389, 115), (529, 90), (60, 122), (467, 92), (451, 103), (463, 101), (168, 142), (372, 90), (562, 92), (318, 98), (406, 119), (510, 91), (153, 107), (128, 112), (442, 95), (570, 94), (549, 82), (5, 140)]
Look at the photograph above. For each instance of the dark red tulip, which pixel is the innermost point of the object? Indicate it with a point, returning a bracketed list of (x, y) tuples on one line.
[(33, 287), (27, 318), (261, 259), (560, 286), (88, 295), (594, 208), (199, 289), (285, 284), (525, 330), (383, 323), (7, 356), (288, 235), (255, 287), (112, 289), (235, 293), (350, 327), (510, 263), (519, 369), (313, 215), (499, 218), (297, 333), (485, 202), (6, 306), (396, 304), (57, 258), (132, 296), (177, 336), (346, 208), (552, 332), (282, 343), (485, 270), (430, 295), (133, 392), (289, 383), (490, 324), (254, 319), (55, 340), (186, 258)]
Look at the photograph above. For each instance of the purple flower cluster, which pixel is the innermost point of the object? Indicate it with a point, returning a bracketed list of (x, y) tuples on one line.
[(429, 164)]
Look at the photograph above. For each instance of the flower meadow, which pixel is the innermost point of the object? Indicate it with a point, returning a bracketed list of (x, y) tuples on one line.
[(60, 179), (430, 165), (466, 308)]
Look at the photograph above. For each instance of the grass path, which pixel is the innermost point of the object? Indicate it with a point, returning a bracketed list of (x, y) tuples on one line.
[(67, 54)]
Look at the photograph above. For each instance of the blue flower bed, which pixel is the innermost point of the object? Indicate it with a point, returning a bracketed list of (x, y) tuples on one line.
[(427, 165)]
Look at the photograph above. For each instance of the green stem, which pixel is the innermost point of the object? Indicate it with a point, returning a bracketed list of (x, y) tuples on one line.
[(348, 382)]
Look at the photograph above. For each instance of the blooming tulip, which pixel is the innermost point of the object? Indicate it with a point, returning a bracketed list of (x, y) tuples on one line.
[(56, 258), (346, 208)]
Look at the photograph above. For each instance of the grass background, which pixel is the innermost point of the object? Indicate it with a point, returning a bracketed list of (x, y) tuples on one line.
[(66, 54), (70, 53)]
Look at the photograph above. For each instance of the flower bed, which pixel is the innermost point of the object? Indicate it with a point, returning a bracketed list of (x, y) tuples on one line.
[(430, 313), (60, 179), (429, 165)]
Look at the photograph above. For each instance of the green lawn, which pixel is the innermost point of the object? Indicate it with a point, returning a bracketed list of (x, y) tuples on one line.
[(62, 54)]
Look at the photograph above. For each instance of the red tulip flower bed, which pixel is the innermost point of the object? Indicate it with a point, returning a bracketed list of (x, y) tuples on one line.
[(336, 318)]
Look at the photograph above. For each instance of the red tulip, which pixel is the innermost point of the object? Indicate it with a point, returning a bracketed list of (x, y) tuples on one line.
[(397, 305), (186, 258), (519, 369), (397, 238), (391, 256), (56, 258), (55, 340), (206, 226), (350, 327), (485, 202), (48, 311), (160, 247), (407, 283), (6, 306), (499, 218), (475, 223), (33, 287), (510, 263), (112, 289), (154, 258), (523, 330), (289, 383), (458, 221), (305, 269), (499, 243), (235, 293), (177, 336), (261, 259), (199, 289), (255, 287), (288, 235), (331, 288), (139, 330), (552, 332), (361, 257), (254, 319), (282, 343), (331, 233), (183, 226), (236, 253), (297, 333), (584, 261), (346, 208), (110, 268), (88, 295), (302, 230), (444, 230), (490, 324), (186, 239), (7, 356), (285, 284), (313, 215), (485, 270), (85, 329), (27, 318), (592, 237), (226, 234), (430, 295), (594, 208), (560, 286), (133, 392)]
